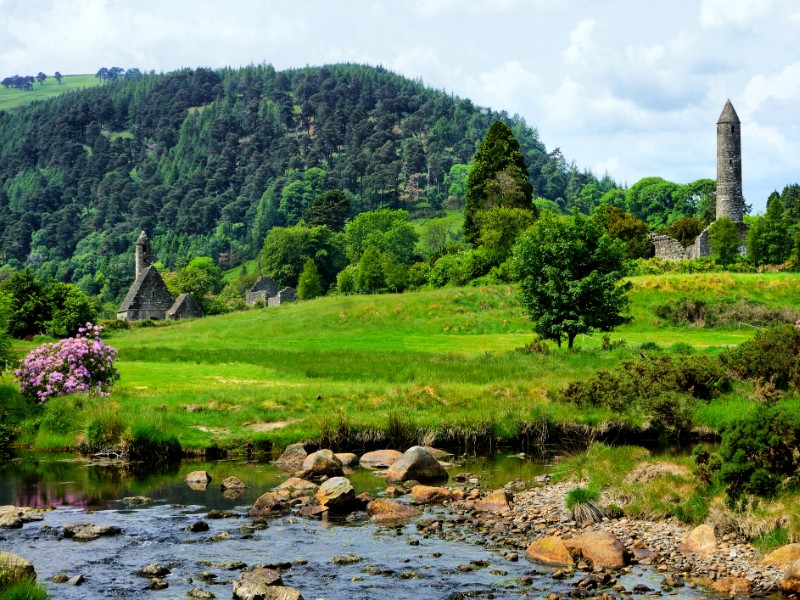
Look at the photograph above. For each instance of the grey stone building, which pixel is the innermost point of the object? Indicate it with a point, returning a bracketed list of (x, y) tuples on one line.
[(148, 297), (265, 290), (262, 290), (729, 198)]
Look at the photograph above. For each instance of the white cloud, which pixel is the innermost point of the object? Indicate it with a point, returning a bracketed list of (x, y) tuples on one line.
[(724, 13), (510, 86), (781, 86), (581, 42)]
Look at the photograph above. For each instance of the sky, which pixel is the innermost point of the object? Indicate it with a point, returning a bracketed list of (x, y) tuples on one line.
[(629, 88)]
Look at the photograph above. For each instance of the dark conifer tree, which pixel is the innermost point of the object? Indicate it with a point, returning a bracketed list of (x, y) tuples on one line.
[(497, 163)]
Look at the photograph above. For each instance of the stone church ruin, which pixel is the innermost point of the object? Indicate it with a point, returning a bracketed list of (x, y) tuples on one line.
[(149, 298), (266, 291), (730, 201)]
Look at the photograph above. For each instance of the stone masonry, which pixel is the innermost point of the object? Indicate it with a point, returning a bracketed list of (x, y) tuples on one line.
[(730, 201)]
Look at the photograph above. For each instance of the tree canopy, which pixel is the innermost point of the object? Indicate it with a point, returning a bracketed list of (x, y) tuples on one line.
[(571, 271), (498, 177)]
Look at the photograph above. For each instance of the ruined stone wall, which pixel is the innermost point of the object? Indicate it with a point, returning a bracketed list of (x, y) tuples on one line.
[(668, 247), (287, 294)]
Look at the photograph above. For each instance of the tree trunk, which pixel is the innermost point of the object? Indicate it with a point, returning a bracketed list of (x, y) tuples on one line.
[(571, 339)]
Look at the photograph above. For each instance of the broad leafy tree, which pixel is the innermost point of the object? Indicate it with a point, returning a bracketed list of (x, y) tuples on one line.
[(571, 274), (387, 230), (498, 177), (621, 225), (286, 250), (769, 240), (685, 230), (723, 238)]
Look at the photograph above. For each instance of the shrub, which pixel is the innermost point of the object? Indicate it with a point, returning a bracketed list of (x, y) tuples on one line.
[(771, 354), (722, 313), (758, 452), (417, 275), (582, 505), (103, 430), (643, 381), (80, 364), (537, 346)]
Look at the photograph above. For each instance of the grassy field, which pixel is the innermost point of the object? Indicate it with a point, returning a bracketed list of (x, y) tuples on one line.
[(12, 98), (435, 364)]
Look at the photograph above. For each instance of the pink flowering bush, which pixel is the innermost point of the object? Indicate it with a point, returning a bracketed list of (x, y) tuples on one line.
[(79, 364)]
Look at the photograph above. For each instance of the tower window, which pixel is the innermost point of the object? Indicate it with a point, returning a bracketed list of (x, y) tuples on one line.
[(733, 128)]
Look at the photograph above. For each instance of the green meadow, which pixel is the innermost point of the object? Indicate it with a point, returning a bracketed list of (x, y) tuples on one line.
[(12, 98), (433, 366)]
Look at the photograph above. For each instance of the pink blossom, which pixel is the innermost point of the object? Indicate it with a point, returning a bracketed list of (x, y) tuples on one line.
[(80, 364)]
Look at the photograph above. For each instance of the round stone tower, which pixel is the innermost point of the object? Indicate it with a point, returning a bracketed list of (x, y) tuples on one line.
[(730, 202), (143, 254)]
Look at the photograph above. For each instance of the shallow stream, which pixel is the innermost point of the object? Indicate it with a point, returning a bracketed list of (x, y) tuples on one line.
[(396, 562)]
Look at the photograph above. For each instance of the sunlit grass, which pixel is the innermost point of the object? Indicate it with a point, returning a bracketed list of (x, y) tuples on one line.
[(443, 359)]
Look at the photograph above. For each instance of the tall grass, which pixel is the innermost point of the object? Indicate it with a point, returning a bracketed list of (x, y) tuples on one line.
[(437, 364)]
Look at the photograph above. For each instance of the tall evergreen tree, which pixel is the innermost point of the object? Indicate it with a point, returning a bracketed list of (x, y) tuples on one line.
[(498, 177)]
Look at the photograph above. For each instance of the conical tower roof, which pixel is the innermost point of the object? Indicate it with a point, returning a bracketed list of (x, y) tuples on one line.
[(728, 114)]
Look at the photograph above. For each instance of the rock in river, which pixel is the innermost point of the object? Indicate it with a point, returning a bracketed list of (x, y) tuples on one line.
[(790, 584), (198, 477), (550, 551), (321, 463), (86, 532), (16, 567), (233, 483), (385, 511), (782, 557), (337, 494), (417, 463), (292, 458), (426, 494), (380, 459), (602, 548), (263, 584), (271, 504)]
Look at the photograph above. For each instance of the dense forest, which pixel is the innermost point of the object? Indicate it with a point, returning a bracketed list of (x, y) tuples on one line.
[(208, 161)]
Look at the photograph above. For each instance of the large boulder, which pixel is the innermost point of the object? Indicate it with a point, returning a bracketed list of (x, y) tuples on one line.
[(701, 541), (292, 458), (496, 502), (387, 511), (322, 463), (13, 517), (15, 568), (233, 483), (380, 459), (790, 584), (198, 477), (551, 552), (85, 532), (417, 464), (272, 504), (337, 495), (262, 583), (298, 487), (602, 548), (732, 586), (426, 494), (348, 459), (782, 557)]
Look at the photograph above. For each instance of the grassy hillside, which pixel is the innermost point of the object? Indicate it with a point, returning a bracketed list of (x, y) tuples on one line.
[(432, 361), (12, 98)]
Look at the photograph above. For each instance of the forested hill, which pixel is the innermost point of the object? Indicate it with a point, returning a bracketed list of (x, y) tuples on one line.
[(207, 161)]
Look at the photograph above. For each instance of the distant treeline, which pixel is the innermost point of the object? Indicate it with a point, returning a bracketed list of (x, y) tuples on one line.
[(207, 161)]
